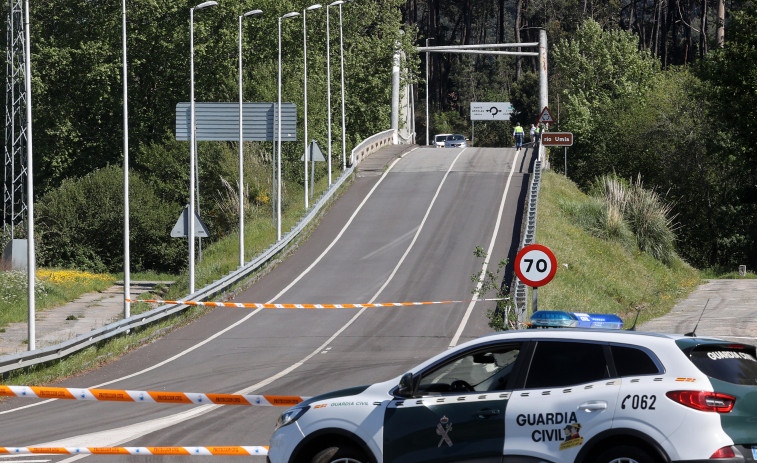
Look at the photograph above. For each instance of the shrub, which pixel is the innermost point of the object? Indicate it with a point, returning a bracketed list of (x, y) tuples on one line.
[(80, 225)]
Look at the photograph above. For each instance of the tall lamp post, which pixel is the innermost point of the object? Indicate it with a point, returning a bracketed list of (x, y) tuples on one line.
[(241, 142), (328, 79), (31, 267), (127, 263), (192, 140), (428, 139), (344, 120), (305, 103), (278, 160)]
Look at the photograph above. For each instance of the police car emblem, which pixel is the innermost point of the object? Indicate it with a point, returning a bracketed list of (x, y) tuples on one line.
[(443, 427), (572, 436)]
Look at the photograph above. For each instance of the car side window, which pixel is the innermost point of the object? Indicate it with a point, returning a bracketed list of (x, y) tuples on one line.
[(480, 370), (566, 363), (630, 361)]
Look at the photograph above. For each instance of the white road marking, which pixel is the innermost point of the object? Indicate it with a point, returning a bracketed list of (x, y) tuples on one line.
[(117, 436), (469, 310)]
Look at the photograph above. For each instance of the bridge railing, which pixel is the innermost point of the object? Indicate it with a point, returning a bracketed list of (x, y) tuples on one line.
[(529, 234), (38, 356), (370, 145)]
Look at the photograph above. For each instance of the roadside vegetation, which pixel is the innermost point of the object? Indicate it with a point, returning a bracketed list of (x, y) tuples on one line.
[(614, 249), (53, 288)]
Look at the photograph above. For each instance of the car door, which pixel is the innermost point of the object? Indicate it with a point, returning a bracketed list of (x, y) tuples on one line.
[(567, 398), (457, 412)]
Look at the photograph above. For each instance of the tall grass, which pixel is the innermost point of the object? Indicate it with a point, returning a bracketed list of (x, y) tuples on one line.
[(601, 275), (630, 214)]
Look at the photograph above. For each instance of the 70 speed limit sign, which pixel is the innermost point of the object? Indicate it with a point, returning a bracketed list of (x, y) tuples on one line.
[(535, 265)]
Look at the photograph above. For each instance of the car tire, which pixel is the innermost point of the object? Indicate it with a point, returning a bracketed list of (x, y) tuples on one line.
[(339, 454), (626, 454)]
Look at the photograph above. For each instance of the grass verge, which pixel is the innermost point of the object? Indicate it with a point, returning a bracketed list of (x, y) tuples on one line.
[(602, 275), (53, 288)]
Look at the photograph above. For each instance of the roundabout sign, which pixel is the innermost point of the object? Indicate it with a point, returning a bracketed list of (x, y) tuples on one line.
[(535, 265)]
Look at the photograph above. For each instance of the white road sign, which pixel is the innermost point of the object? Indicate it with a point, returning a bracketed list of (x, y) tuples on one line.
[(491, 111)]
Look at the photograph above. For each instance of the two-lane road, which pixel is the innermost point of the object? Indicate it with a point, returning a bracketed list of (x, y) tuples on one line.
[(407, 235)]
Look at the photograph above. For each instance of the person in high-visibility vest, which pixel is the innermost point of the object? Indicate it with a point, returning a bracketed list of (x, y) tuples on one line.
[(518, 134)]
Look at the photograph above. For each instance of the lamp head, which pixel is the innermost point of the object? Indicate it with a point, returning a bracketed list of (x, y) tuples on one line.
[(337, 2), (205, 5), (290, 15), (252, 13), (314, 7)]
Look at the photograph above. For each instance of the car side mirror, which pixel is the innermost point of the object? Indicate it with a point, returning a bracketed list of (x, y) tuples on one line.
[(405, 388)]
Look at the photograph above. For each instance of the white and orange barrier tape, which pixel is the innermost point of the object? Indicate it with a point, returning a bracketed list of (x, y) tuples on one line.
[(114, 395), (145, 451), (252, 305)]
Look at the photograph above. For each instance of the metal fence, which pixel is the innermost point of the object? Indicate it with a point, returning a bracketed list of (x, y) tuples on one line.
[(529, 233), (38, 356)]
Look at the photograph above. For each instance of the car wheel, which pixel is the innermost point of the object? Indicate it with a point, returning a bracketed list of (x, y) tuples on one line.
[(626, 454), (338, 454)]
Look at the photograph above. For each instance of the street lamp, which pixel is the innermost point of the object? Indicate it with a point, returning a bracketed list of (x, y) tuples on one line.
[(278, 160), (127, 263), (241, 142), (344, 123), (328, 74), (305, 105), (428, 140), (31, 267), (192, 140)]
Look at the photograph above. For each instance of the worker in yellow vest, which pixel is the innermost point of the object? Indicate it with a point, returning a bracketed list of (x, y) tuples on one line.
[(518, 134)]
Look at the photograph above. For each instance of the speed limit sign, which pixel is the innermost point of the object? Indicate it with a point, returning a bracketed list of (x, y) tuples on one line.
[(535, 265)]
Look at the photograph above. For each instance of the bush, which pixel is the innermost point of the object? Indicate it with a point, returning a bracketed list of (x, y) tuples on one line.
[(628, 214), (80, 225), (642, 212)]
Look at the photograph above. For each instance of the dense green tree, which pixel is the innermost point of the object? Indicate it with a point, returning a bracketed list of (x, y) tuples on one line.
[(730, 88), (79, 225)]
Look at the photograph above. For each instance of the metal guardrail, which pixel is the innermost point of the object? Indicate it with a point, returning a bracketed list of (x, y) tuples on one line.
[(529, 234), (38, 356)]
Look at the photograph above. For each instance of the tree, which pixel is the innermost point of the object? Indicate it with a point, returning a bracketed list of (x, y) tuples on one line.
[(730, 88), (595, 70)]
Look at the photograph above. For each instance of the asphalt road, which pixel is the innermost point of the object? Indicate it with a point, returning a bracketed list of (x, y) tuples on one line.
[(406, 235)]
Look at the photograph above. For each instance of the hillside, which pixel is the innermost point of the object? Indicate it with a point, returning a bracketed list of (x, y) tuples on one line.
[(598, 275)]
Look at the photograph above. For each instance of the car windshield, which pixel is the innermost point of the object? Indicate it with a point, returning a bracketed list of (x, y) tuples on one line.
[(733, 363), (440, 138), (456, 137)]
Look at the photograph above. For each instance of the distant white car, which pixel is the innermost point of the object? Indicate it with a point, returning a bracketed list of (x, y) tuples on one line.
[(456, 141), (439, 139)]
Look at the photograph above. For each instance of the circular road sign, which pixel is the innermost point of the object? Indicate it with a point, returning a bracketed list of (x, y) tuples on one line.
[(535, 265)]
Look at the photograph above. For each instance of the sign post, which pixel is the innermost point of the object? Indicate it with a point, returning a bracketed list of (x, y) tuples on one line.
[(535, 265), (559, 139)]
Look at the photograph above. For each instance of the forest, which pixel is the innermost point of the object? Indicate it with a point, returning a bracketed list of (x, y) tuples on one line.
[(661, 92)]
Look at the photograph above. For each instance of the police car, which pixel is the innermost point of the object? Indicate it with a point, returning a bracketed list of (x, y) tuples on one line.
[(553, 395)]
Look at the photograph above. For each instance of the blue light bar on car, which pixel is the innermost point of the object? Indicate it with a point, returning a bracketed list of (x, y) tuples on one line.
[(561, 319)]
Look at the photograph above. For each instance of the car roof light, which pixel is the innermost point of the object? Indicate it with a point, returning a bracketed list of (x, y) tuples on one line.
[(553, 319), (598, 320), (562, 319)]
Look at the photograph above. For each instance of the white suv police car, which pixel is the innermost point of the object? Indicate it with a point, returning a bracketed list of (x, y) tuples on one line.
[(531, 396)]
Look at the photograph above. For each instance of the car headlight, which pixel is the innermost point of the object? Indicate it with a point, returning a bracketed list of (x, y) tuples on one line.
[(290, 416)]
